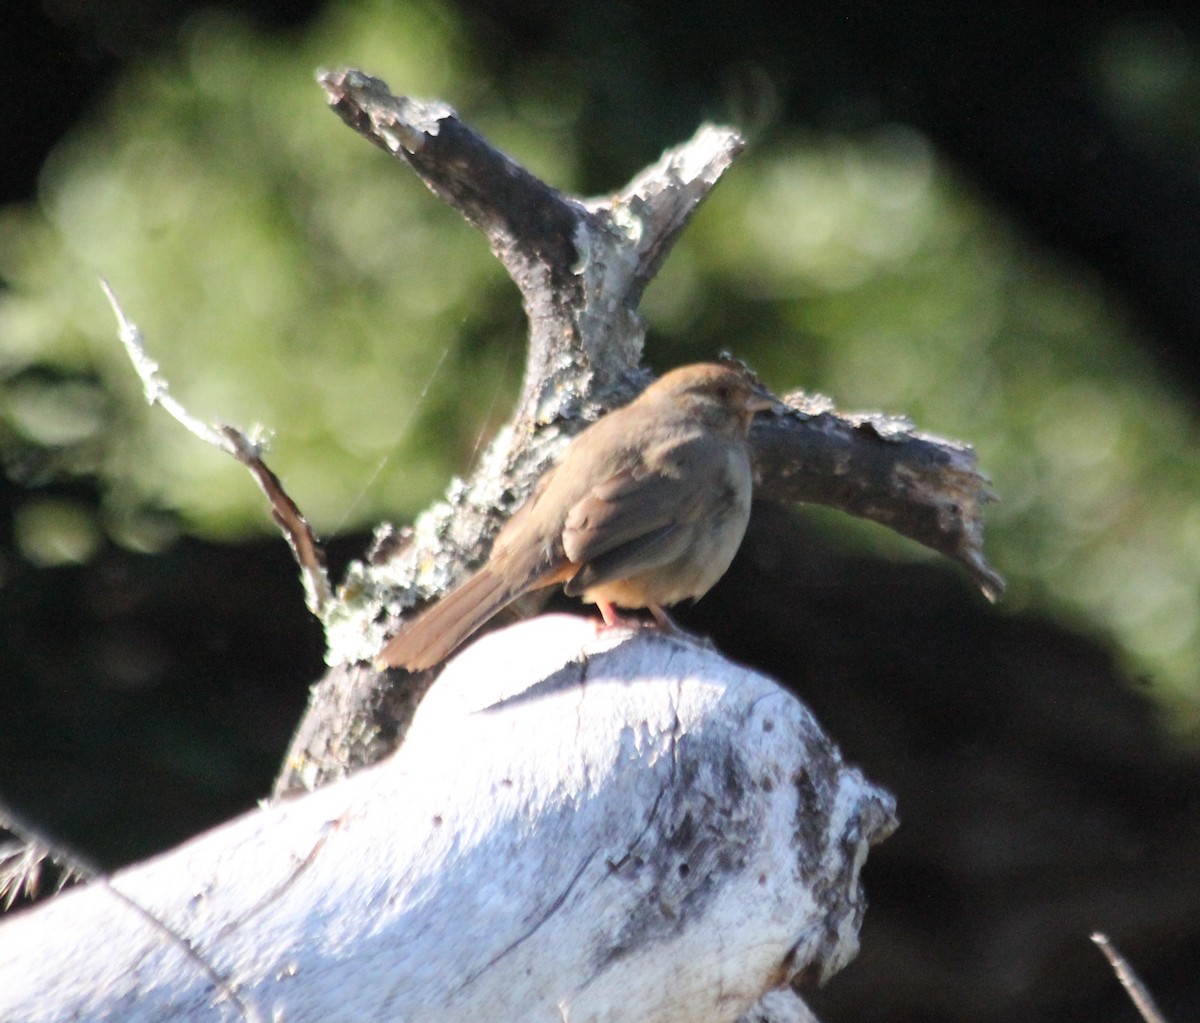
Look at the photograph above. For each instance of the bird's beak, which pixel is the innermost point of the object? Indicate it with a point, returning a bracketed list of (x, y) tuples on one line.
[(761, 400), (758, 400)]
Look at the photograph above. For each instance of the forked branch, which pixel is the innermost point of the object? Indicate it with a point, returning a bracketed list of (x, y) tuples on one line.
[(581, 266)]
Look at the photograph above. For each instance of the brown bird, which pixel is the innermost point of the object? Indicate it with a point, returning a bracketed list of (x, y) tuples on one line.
[(647, 507)]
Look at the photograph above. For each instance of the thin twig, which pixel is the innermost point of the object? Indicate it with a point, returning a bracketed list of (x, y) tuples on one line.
[(1138, 994), (307, 549)]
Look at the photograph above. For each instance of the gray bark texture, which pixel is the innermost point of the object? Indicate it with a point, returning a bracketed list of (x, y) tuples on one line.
[(580, 825)]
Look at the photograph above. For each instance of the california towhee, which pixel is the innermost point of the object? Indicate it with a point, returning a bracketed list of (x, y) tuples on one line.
[(647, 507)]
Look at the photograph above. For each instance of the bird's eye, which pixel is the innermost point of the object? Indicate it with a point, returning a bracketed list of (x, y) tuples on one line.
[(724, 392)]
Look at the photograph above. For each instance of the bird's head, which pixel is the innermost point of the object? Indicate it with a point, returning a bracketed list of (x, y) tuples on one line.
[(721, 396)]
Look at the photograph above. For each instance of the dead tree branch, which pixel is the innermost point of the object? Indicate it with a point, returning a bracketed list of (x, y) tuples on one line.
[(581, 266), (523, 856)]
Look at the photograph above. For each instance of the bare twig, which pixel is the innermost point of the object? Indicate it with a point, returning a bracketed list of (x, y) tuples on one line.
[(1141, 998), (305, 546)]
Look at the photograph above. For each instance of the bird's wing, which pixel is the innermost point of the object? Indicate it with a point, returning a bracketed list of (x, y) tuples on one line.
[(637, 519)]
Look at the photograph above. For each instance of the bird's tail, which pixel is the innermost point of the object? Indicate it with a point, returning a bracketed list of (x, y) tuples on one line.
[(434, 635)]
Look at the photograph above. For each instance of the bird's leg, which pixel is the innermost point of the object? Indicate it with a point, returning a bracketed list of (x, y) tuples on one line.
[(613, 618), (665, 621)]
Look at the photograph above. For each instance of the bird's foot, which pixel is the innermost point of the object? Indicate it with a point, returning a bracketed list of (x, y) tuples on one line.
[(665, 621)]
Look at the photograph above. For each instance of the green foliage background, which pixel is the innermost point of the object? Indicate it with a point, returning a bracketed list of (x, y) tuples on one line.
[(286, 273)]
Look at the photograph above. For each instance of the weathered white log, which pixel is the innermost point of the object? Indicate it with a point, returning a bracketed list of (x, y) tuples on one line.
[(579, 826)]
